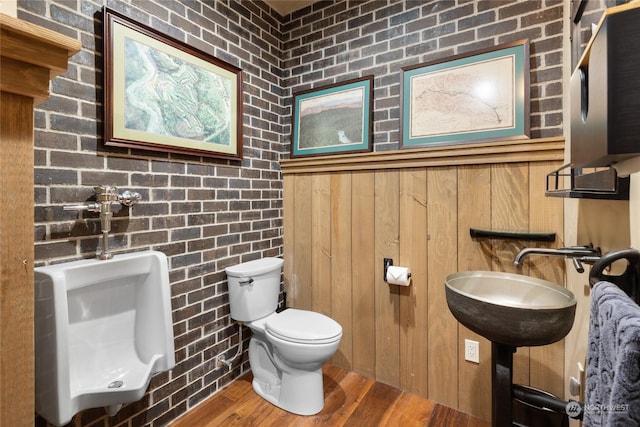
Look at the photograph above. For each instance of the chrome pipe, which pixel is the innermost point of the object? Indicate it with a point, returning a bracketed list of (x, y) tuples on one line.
[(106, 196), (580, 254)]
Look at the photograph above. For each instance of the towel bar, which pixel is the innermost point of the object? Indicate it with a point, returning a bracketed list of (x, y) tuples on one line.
[(628, 281)]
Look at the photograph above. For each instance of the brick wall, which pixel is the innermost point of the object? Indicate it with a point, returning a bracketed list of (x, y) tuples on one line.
[(333, 41), (206, 214)]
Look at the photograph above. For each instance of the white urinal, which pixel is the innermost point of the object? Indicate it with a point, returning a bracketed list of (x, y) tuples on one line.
[(102, 329)]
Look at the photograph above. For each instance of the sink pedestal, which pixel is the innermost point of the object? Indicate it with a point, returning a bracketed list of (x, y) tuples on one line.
[(501, 381), (503, 393)]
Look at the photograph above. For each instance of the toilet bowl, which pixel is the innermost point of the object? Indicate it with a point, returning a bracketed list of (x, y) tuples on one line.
[(287, 348), (102, 329)]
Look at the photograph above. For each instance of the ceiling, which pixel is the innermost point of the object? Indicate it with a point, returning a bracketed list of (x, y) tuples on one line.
[(285, 7)]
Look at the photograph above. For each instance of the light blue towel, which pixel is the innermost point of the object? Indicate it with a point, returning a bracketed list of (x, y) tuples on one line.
[(613, 359)]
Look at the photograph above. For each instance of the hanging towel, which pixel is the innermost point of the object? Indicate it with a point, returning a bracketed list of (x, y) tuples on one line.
[(613, 359)]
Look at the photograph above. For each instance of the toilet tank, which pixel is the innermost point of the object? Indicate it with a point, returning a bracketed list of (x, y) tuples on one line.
[(254, 287)]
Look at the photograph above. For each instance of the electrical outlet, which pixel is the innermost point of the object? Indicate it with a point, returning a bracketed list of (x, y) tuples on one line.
[(472, 351)]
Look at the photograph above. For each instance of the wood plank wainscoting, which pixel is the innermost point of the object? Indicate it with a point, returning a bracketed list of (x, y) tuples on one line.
[(344, 214)]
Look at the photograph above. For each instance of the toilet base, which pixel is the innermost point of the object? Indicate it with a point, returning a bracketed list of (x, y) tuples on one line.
[(286, 373), (299, 392)]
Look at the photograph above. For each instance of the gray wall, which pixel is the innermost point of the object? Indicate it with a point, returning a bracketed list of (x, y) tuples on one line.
[(339, 40), (206, 214)]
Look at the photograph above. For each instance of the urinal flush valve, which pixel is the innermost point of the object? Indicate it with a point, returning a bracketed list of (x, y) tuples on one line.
[(106, 197)]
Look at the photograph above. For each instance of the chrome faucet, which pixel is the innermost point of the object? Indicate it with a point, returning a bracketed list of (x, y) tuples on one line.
[(106, 196), (579, 254)]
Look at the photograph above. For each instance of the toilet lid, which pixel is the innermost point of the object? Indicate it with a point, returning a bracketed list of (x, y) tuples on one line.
[(255, 267), (303, 326)]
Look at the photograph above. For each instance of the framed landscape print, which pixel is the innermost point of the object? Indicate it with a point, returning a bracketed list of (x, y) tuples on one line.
[(163, 95), (333, 119), (475, 97)]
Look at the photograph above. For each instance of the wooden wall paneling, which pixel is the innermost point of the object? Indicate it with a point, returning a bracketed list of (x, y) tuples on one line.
[(363, 272), (442, 256), (25, 79), (387, 348), (301, 278), (385, 218), (474, 210), (546, 368), (510, 211), (30, 56), (341, 262), (413, 299), (16, 261), (289, 236), (321, 243)]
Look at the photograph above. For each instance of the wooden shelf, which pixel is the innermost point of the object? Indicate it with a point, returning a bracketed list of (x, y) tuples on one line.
[(31, 56), (529, 150)]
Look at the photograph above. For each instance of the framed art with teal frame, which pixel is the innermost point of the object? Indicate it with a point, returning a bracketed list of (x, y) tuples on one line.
[(474, 97), (333, 119)]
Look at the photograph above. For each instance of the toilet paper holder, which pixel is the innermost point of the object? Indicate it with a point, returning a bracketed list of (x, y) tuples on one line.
[(387, 263)]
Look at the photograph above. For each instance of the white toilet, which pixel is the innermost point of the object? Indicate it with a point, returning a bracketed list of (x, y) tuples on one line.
[(287, 349), (102, 329)]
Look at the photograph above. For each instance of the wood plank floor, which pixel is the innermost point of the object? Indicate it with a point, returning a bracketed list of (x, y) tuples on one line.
[(350, 400)]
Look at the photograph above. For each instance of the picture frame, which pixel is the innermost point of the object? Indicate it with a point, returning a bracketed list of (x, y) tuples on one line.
[(333, 119), (161, 94), (469, 98)]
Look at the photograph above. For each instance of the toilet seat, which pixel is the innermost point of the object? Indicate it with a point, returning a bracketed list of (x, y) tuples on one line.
[(303, 326)]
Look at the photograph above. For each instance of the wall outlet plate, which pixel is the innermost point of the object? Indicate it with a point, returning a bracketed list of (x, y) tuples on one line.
[(472, 351)]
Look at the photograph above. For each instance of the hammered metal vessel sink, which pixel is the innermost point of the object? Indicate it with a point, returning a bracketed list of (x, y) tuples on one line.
[(511, 309)]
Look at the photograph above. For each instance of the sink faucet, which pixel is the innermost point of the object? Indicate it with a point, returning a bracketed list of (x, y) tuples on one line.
[(106, 196), (579, 254)]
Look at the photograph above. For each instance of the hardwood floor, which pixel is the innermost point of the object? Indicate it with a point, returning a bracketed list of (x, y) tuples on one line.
[(350, 400)]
